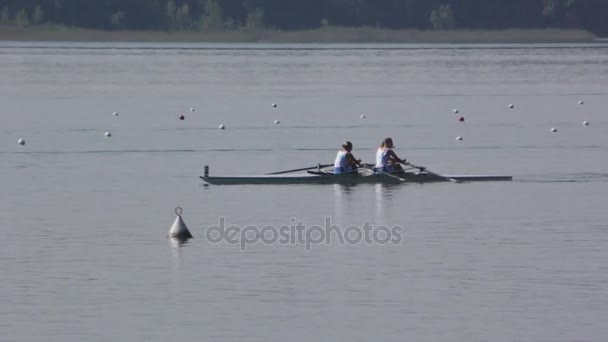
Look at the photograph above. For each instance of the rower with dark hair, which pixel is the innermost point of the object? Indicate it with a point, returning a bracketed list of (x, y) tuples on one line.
[(345, 161), (386, 159)]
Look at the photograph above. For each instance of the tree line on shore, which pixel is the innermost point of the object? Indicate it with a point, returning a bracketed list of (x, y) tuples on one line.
[(308, 14)]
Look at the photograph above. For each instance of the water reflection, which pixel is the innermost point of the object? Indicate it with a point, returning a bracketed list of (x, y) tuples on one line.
[(346, 200), (346, 189), (176, 246), (177, 243), (384, 198), (343, 201)]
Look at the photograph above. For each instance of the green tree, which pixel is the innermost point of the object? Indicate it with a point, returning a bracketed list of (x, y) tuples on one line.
[(443, 18), (4, 16), (22, 18), (38, 17), (170, 11), (230, 24), (213, 19), (255, 19), (304, 14), (182, 18), (118, 20)]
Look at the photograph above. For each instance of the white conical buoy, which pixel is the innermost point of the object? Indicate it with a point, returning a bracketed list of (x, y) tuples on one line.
[(581, 102), (363, 116), (459, 138), (456, 111), (554, 130), (21, 142), (276, 122), (179, 230), (115, 113), (585, 123), (108, 135), (274, 105), (192, 109), (222, 126), (511, 106)]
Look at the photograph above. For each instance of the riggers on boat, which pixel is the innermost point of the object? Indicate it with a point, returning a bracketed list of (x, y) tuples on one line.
[(361, 176)]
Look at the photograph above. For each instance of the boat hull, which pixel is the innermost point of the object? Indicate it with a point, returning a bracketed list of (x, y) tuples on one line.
[(348, 179)]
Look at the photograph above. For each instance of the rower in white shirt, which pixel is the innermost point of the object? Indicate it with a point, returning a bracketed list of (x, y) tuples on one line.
[(345, 161), (386, 159)]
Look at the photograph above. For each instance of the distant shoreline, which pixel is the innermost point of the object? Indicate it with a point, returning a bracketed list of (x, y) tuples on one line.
[(321, 35)]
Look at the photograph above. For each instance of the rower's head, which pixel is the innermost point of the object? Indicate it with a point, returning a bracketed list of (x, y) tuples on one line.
[(387, 142), (347, 146)]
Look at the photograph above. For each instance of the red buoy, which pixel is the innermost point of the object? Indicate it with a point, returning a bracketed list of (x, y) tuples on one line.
[(461, 119), (181, 117)]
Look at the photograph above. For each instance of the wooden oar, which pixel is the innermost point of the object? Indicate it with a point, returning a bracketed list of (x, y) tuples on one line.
[(320, 166), (424, 169)]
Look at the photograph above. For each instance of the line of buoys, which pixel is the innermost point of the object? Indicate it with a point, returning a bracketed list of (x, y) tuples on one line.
[(182, 117), (179, 230)]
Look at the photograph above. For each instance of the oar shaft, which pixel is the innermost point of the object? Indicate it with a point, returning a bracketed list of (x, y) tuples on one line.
[(320, 166), (424, 169)]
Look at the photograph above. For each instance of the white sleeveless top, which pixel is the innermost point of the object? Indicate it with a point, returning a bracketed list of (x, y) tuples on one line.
[(340, 159), (381, 158)]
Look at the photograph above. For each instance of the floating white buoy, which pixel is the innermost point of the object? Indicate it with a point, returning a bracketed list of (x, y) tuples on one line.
[(585, 123), (363, 116), (179, 230), (115, 113), (276, 122), (459, 138), (456, 111), (581, 102), (108, 134), (192, 109), (554, 130), (511, 106), (274, 105), (21, 142), (222, 126)]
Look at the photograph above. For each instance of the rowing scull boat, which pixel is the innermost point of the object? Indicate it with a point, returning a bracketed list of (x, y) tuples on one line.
[(361, 177)]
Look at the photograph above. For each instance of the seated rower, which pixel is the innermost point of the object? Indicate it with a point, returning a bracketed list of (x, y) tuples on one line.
[(345, 161), (386, 159)]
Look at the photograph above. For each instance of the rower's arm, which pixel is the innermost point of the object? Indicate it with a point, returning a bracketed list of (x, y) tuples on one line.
[(394, 156), (354, 160)]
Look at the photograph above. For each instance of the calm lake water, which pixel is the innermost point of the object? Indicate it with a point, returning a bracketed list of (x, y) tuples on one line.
[(84, 218)]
